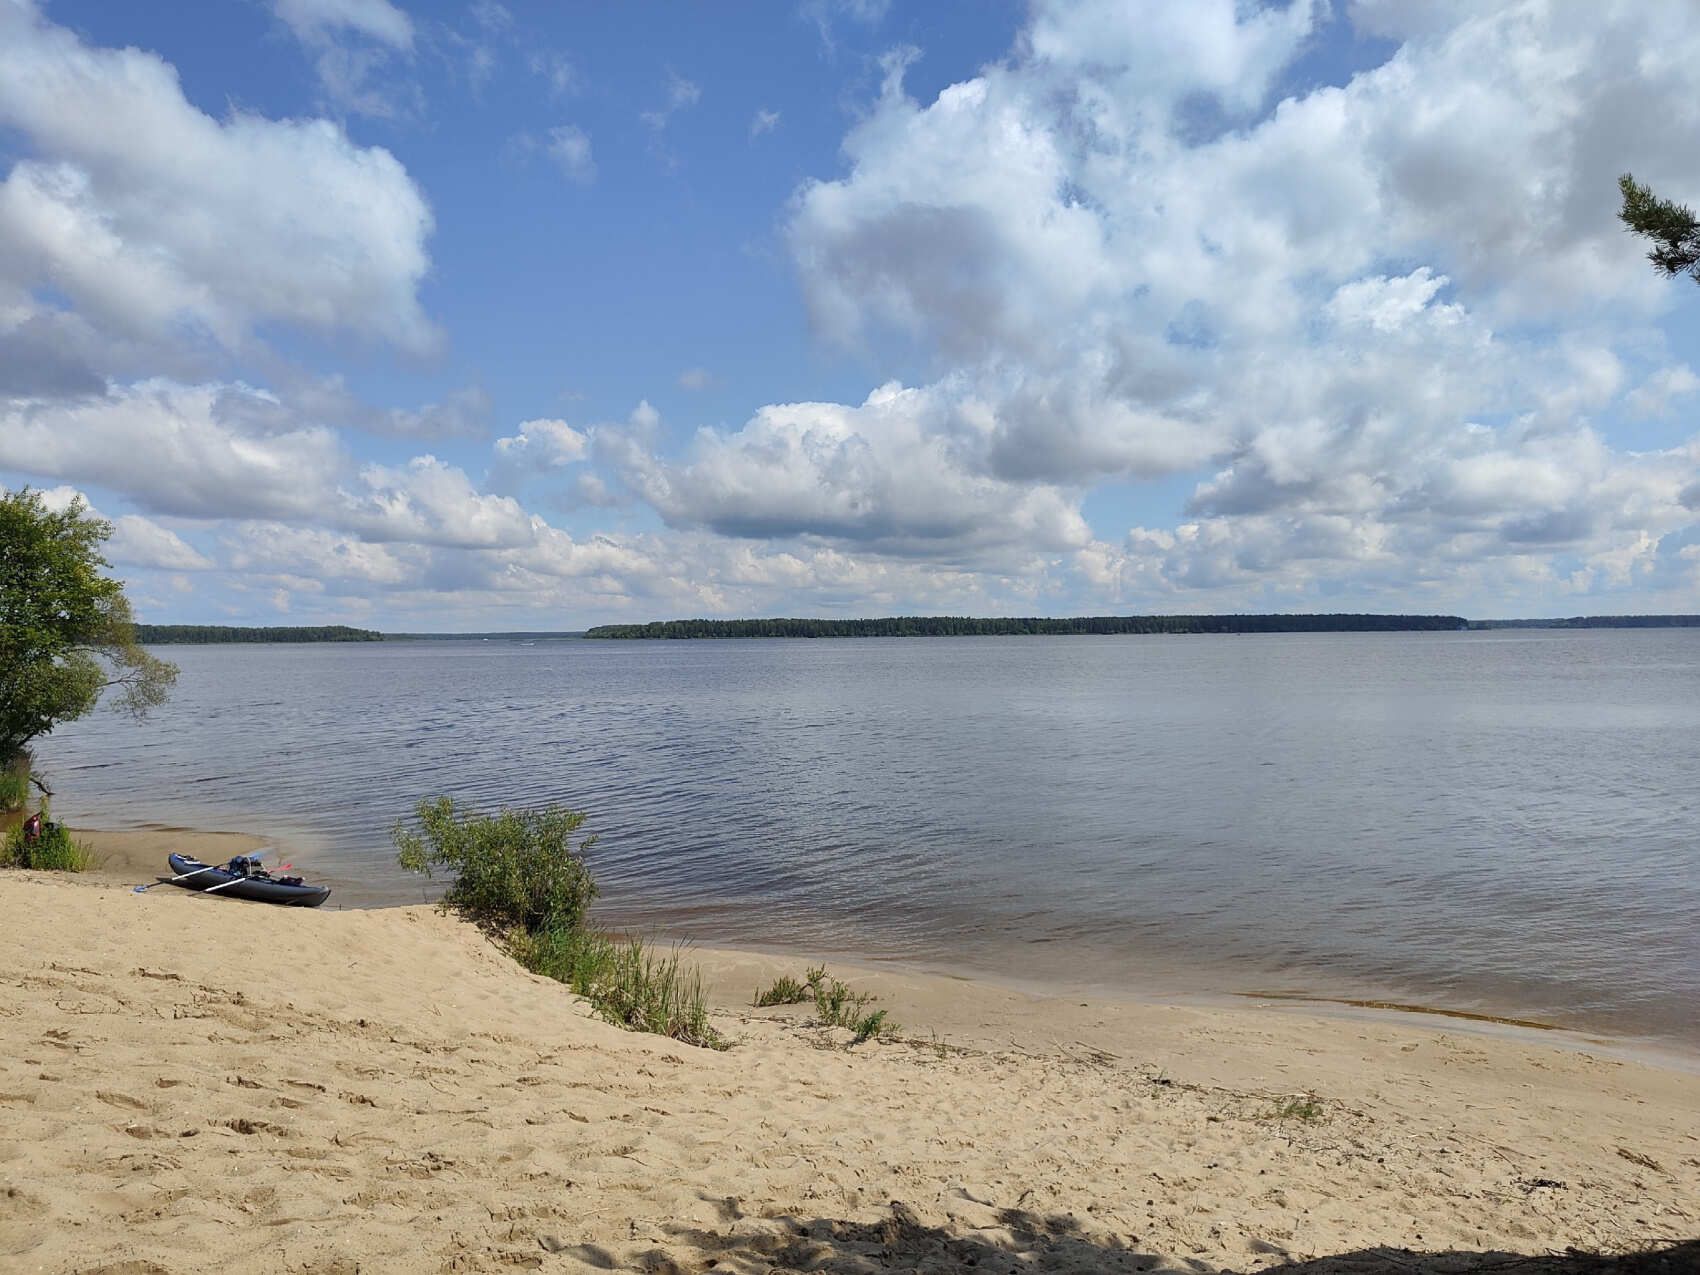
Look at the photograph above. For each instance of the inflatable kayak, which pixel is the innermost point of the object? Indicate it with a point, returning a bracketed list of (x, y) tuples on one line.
[(245, 879)]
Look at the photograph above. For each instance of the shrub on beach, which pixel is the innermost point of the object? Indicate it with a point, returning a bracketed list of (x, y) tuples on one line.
[(515, 870), (519, 875), (54, 850)]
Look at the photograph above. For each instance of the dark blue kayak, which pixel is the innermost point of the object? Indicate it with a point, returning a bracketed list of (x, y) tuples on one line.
[(290, 892)]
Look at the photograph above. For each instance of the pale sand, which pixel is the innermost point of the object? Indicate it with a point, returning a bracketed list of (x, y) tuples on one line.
[(192, 1084)]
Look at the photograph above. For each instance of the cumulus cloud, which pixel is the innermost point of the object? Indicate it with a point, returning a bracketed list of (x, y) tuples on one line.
[(1134, 262), (543, 444), (173, 450), (887, 474), (153, 218), (140, 542), (429, 502), (135, 541)]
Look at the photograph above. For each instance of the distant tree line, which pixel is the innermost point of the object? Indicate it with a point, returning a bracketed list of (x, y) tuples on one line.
[(177, 634), (970, 626), (1596, 622)]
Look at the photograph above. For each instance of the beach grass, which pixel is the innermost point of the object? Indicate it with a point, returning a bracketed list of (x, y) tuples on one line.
[(53, 850), (786, 990), (626, 980), (871, 1025), (1299, 1107), (14, 790)]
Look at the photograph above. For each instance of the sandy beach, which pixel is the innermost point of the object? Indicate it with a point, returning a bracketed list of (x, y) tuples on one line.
[(192, 1084)]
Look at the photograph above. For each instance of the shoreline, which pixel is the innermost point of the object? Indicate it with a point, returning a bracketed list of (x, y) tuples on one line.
[(384, 1088), (140, 852)]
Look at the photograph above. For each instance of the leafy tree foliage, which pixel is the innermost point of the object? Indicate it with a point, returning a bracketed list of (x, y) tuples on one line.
[(66, 630), (971, 626), (1672, 227)]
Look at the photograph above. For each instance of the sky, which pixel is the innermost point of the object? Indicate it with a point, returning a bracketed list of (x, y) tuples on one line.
[(489, 316)]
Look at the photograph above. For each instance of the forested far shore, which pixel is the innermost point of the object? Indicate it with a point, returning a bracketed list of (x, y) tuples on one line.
[(1596, 622), (185, 634), (918, 626), (970, 626)]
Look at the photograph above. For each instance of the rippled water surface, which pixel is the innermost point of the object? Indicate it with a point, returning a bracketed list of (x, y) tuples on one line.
[(1503, 822)]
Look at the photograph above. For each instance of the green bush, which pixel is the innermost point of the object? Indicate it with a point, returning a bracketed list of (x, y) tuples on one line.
[(515, 870), (53, 851)]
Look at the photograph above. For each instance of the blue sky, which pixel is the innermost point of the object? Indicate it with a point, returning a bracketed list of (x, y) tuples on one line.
[(483, 315)]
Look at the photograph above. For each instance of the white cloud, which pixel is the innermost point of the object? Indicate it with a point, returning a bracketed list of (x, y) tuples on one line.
[(763, 121), (1131, 265), (279, 548), (140, 542), (695, 378), (462, 413), (886, 475), (681, 94), (825, 15), (543, 444), (352, 42), (555, 69), (135, 541), (569, 146), (429, 502), (154, 218), (314, 20), (170, 449), (1654, 396)]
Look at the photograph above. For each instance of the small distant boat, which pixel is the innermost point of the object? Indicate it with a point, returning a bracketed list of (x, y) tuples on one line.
[(244, 879)]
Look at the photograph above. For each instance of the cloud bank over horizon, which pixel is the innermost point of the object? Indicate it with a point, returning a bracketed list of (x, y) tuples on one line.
[(1211, 307)]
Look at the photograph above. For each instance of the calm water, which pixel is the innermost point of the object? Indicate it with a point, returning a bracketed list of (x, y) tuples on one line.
[(1496, 821)]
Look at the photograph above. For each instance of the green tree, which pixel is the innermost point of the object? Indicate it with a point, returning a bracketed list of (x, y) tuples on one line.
[(1672, 227), (66, 630)]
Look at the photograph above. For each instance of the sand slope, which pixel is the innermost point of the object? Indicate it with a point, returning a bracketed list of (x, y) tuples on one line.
[(188, 1084)]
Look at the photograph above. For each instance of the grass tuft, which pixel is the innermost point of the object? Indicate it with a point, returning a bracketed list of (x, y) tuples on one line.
[(786, 990), (835, 1004), (53, 851), (14, 791), (871, 1025), (626, 980), (1303, 1107)]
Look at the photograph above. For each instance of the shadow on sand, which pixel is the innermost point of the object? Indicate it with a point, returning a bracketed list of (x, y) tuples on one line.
[(1024, 1242)]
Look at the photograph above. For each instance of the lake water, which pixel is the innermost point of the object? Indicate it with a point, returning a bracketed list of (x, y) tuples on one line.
[(1501, 822)]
